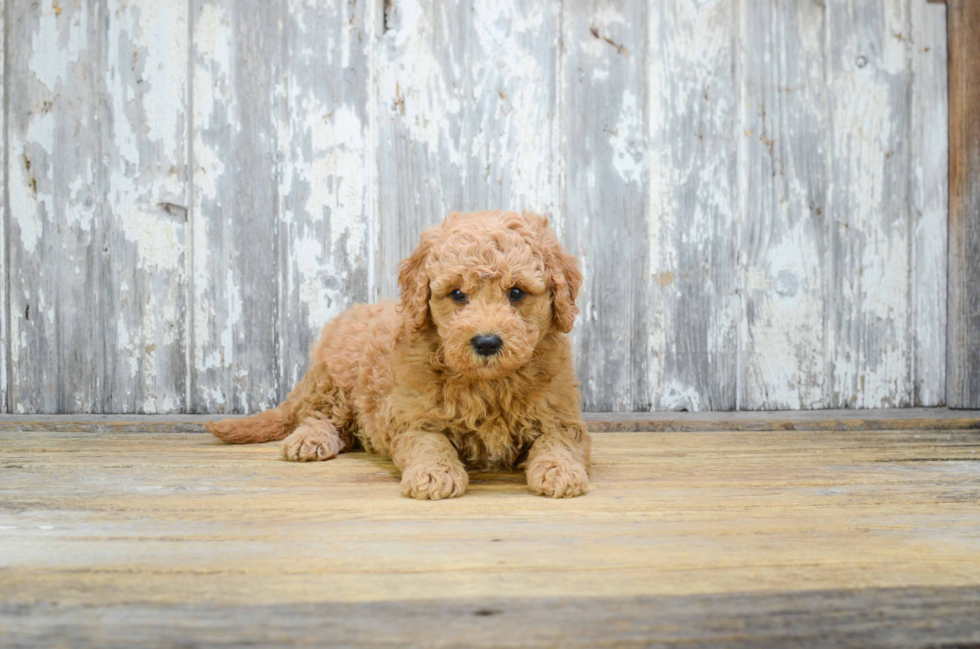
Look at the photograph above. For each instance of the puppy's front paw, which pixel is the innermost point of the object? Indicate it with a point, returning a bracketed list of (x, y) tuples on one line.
[(434, 481), (312, 443), (556, 478)]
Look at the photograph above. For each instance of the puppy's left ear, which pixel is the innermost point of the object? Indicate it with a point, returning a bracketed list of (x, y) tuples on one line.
[(414, 281), (566, 278)]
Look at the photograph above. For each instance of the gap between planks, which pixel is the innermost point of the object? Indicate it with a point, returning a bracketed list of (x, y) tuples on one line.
[(809, 420)]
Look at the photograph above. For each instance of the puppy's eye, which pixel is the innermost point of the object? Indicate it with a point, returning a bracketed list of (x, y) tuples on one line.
[(458, 296), (516, 294)]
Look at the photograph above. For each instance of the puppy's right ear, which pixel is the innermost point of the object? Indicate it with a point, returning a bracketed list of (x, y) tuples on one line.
[(414, 281)]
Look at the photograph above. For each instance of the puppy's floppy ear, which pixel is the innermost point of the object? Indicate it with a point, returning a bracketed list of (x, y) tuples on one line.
[(414, 281), (566, 278)]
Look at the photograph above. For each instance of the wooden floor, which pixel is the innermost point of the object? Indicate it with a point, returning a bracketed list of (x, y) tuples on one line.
[(806, 537)]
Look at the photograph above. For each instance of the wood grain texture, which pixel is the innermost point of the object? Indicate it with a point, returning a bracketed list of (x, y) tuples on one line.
[(112, 529), (930, 201), (468, 115), (861, 618), (58, 242), (236, 65), (55, 181), (870, 232), (693, 304), (145, 153), (783, 189), (605, 196), (327, 219), (4, 215), (757, 191), (963, 349), (98, 196)]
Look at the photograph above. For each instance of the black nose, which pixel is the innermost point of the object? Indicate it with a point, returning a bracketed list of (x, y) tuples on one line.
[(487, 345)]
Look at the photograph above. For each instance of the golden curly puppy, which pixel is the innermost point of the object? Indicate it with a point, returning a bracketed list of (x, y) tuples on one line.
[(472, 369)]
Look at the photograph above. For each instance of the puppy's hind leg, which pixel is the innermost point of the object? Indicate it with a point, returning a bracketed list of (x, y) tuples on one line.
[(314, 439)]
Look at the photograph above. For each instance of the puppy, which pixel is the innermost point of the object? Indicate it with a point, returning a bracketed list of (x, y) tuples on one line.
[(470, 370)]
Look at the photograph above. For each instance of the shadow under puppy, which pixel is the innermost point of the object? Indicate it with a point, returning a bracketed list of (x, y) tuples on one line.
[(471, 369)]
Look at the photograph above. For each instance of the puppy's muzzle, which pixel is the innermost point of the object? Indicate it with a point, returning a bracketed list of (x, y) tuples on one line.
[(487, 345)]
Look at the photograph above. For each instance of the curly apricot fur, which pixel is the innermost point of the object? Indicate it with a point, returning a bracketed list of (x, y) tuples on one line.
[(403, 380)]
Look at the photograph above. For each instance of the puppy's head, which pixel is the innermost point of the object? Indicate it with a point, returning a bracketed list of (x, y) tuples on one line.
[(491, 285)]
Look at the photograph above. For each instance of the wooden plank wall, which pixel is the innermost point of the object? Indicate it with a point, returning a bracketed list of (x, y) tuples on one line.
[(757, 190), (963, 389)]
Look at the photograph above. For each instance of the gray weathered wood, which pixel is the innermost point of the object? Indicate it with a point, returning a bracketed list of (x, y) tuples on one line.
[(783, 188), (4, 216), (930, 201), (693, 305), (860, 618), (144, 151), (97, 202), (605, 201), (963, 350), (757, 191), (236, 62), (468, 119), (870, 333), (58, 241), (327, 183)]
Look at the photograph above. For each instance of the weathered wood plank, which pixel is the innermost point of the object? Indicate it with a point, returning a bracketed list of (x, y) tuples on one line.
[(806, 420), (57, 240), (145, 155), (236, 52), (930, 201), (693, 312), (328, 179), (4, 215), (783, 188), (860, 618), (97, 196), (470, 114), (870, 238), (605, 201), (963, 347), (149, 525)]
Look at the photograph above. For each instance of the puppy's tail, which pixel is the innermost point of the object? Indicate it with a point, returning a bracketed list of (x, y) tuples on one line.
[(267, 426)]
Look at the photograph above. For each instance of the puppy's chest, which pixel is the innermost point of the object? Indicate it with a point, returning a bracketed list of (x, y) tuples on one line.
[(490, 427), (496, 442)]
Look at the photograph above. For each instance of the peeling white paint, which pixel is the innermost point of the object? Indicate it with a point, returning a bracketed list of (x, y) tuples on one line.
[(4, 295), (26, 197), (313, 274), (629, 141), (930, 157), (214, 108), (158, 239), (821, 315), (677, 396), (53, 51), (872, 346), (143, 165), (234, 302), (416, 81)]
